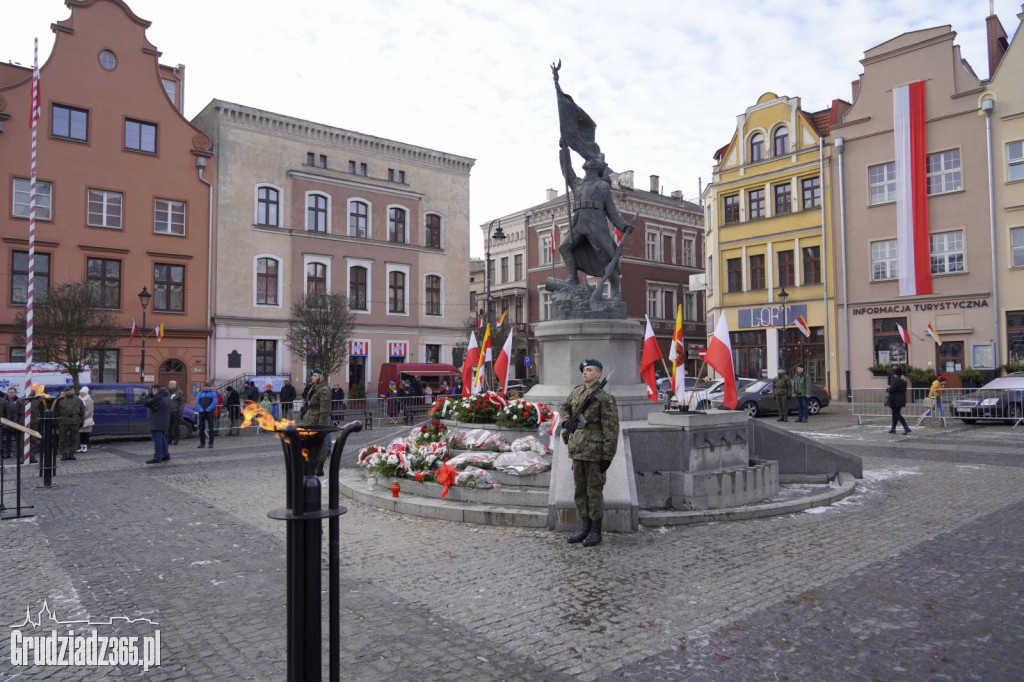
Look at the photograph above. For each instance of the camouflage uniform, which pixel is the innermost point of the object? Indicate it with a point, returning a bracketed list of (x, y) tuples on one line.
[(782, 390), (70, 414), (318, 412), (177, 407), (589, 445), (35, 423)]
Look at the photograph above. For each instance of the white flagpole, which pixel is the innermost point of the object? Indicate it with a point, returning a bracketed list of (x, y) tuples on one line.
[(30, 294)]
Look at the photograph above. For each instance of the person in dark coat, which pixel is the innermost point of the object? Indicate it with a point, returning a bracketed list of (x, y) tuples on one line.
[(9, 407), (252, 393), (897, 391), (288, 396), (70, 413), (233, 402), (158, 414)]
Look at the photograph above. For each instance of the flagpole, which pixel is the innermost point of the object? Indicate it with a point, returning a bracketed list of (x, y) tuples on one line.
[(30, 294), (700, 373)]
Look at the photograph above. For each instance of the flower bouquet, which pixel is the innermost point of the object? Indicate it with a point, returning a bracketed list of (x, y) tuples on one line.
[(523, 414), (481, 460), (475, 409), (472, 477), (431, 432), (521, 463)]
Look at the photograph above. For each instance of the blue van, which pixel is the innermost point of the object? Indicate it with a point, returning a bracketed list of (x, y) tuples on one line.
[(120, 410)]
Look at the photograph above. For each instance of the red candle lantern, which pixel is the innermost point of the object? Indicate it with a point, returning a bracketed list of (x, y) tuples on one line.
[(395, 488)]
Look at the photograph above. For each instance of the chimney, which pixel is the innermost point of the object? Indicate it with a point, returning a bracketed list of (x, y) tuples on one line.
[(552, 194), (996, 39), (626, 179), (655, 180), (677, 194), (855, 87)]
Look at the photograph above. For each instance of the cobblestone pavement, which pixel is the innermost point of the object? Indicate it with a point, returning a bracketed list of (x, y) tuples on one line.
[(918, 575)]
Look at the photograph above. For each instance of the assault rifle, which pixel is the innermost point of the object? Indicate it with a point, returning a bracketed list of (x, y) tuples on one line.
[(571, 425)]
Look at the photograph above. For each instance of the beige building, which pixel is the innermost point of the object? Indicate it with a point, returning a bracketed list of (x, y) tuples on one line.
[(961, 304), (303, 207)]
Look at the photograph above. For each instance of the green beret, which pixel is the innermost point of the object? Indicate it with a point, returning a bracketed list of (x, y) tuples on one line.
[(316, 370), (591, 362)]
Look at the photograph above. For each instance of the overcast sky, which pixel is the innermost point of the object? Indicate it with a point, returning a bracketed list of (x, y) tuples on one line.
[(663, 79)]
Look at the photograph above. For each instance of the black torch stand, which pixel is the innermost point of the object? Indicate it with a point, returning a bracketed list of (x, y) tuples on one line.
[(303, 514), (48, 447)]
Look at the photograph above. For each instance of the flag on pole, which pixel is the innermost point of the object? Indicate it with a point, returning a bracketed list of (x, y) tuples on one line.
[(651, 354), (485, 357), (469, 365), (801, 324), (912, 241), (36, 112), (479, 321), (133, 332), (677, 354), (719, 358), (934, 334), (504, 363), (554, 236), (159, 330), (33, 123), (555, 422), (904, 334), (500, 319)]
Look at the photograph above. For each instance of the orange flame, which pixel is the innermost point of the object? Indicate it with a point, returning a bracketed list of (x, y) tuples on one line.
[(38, 390), (262, 418)]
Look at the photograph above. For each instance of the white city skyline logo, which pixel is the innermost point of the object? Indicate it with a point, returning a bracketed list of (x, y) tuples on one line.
[(48, 615)]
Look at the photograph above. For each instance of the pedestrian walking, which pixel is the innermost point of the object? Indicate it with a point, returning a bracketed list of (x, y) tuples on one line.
[(206, 406), (178, 401), (802, 392), (594, 419), (782, 389), (288, 396), (85, 433), (70, 413), (318, 411), (158, 416), (934, 401), (897, 400)]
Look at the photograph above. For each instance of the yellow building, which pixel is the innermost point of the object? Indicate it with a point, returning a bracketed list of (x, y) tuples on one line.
[(768, 240)]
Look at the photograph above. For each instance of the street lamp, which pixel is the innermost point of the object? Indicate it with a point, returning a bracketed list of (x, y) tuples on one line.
[(144, 297), (783, 295), (498, 236)]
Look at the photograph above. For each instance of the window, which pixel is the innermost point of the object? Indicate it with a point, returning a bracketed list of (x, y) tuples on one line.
[(19, 276), (882, 183), (943, 171), (433, 295), (104, 365), (266, 357), (888, 345), (323, 161), (884, 260), (661, 301), (432, 352), (358, 219), (734, 275), (268, 203), (812, 265), (316, 278), (310, 158), (731, 209), (396, 225), (652, 246), (504, 269), (316, 213), (433, 228), (104, 276), (357, 288), (104, 208), (780, 141), (783, 198), (947, 249), (517, 267), (1015, 161), (396, 292), (1016, 248), (690, 306), (757, 280), (545, 306), (755, 204), (352, 167), (391, 174), (140, 136), (757, 147), (363, 170), (401, 176), (785, 259), (171, 88), (169, 217), (810, 193), (168, 288), (266, 281), (69, 123), (44, 199), (107, 60), (544, 248), (689, 251), (652, 303)]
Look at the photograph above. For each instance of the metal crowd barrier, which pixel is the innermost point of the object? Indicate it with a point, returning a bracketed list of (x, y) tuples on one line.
[(967, 404)]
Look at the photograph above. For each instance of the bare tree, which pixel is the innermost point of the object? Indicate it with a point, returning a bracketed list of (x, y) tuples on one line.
[(320, 328), (68, 326)]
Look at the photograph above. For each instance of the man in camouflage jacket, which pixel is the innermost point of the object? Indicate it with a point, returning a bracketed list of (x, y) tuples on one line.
[(318, 411), (591, 449), (70, 413)]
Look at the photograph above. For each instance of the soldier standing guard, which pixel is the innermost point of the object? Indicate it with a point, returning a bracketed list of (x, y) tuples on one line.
[(177, 407), (595, 434), (318, 411), (782, 390), (70, 413), (35, 422)]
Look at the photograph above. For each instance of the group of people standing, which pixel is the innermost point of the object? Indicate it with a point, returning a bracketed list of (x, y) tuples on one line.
[(74, 413), (799, 387)]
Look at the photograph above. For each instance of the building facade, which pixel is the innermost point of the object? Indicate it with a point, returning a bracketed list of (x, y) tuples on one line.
[(306, 207), (769, 245), (123, 192)]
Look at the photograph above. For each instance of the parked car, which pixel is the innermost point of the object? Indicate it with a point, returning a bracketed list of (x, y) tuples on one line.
[(758, 398), (665, 386), (1001, 398), (705, 392), (120, 410)]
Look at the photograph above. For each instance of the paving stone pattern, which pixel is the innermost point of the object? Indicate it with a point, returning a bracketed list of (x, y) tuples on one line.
[(918, 575)]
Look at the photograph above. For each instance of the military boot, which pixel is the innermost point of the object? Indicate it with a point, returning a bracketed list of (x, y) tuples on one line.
[(594, 538), (582, 533)]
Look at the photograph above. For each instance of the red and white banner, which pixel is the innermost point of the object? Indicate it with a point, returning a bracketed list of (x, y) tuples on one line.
[(469, 365), (651, 354), (504, 363), (554, 236), (719, 358), (359, 349), (397, 349), (904, 334), (912, 243)]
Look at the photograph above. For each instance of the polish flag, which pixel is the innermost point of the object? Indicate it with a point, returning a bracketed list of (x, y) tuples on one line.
[(651, 355), (133, 332), (503, 364), (801, 324), (912, 243), (934, 334), (469, 365), (719, 358), (554, 236), (904, 334), (479, 321), (556, 421)]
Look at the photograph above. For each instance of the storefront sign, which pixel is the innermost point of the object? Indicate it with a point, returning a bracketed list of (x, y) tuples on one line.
[(898, 308), (770, 316)]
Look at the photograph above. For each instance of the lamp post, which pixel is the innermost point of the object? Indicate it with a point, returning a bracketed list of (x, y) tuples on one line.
[(783, 295), (144, 297), (498, 235)]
